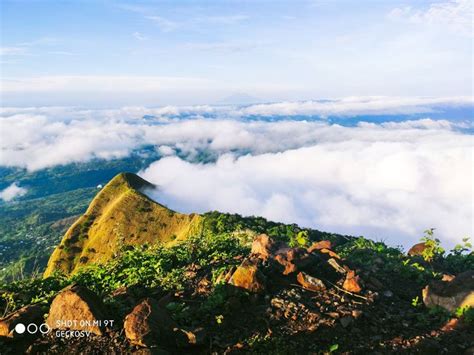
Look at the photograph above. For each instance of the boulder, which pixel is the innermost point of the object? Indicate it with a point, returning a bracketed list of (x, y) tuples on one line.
[(323, 244), (248, 277), (310, 283), (148, 324), (352, 282), (293, 259), (26, 315), (77, 308), (263, 246), (459, 292), (417, 249)]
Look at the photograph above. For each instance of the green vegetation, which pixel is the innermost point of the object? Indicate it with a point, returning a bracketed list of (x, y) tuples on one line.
[(32, 225)]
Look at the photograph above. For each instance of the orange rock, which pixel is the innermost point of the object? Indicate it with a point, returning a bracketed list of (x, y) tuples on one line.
[(293, 259), (76, 308), (26, 315), (451, 325), (148, 324), (352, 283), (330, 253), (447, 277), (310, 283), (262, 246), (248, 277), (323, 244), (417, 249)]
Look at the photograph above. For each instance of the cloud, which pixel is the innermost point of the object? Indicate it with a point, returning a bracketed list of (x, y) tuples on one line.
[(225, 47), (23, 49), (223, 19), (357, 106), (454, 15), (11, 192), (389, 179), (139, 36), (372, 181), (11, 51), (99, 83), (164, 24)]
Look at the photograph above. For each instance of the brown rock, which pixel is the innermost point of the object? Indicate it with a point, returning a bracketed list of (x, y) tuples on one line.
[(417, 249), (263, 246), (352, 283), (148, 324), (450, 295), (185, 338), (310, 283), (447, 277), (330, 253), (293, 259), (450, 325), (248, 277), (26, 315), (323, 244), (76, 308)]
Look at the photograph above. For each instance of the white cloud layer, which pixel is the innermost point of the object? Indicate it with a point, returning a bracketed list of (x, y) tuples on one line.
[(390, 180), (11, 192)]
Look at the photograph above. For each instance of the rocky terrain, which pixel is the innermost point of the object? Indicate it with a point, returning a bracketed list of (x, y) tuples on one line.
[(232, 290)]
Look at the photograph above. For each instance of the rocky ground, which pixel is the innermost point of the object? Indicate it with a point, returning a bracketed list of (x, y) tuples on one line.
[(278, 300)]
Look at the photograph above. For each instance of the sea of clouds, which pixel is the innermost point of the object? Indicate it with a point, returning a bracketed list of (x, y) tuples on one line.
[(389, 180)]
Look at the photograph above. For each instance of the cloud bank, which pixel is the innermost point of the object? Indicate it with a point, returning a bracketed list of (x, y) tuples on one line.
[(383, 182), (382, 179)]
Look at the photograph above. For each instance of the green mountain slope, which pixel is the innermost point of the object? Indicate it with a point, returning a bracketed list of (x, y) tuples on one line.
[(118, 216)]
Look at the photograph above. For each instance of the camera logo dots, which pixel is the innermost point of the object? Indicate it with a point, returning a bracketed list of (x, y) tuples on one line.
[(32, 328), (20, 328)]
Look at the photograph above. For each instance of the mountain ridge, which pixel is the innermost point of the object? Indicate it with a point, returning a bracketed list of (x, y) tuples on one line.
[(119, 215)]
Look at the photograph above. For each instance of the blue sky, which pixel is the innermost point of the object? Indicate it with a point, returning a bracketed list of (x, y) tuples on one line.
[(112, 53)]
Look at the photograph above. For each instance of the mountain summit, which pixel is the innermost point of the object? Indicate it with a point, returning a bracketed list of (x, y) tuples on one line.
[(121, 214)]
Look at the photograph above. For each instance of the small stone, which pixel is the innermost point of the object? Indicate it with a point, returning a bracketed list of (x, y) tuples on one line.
[(352, 283), (447, 277), (185, 338), (388, 294), (310, 283), (330, 253), (451, 325), (323, 244)]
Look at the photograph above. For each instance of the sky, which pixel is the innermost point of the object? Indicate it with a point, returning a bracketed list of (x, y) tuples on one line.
[(115, 53)]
